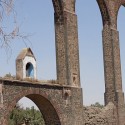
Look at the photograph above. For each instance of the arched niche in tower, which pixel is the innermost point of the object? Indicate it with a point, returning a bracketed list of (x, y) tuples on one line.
[(26, 64)]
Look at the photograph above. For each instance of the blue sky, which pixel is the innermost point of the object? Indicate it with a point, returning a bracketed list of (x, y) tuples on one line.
[(36, 18)]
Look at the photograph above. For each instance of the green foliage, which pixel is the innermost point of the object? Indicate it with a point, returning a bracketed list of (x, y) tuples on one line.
[(9, 76), (97, 104), (29, 116)]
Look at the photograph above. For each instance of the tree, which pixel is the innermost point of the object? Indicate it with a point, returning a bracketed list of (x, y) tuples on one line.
[(29, 116), (16, 116), (7, 9), (97, 104)]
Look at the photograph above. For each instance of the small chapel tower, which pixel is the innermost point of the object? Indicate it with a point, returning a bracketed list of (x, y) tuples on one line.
[(26, 64)]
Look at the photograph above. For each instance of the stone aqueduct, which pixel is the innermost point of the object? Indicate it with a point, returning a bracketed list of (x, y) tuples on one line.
[(61, 104)]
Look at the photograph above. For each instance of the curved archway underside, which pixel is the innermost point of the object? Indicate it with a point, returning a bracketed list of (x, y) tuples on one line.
[(109, 10), (48, 111), (104, 12)]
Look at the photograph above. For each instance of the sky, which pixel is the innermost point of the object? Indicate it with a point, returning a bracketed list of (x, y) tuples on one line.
[(36, 19)]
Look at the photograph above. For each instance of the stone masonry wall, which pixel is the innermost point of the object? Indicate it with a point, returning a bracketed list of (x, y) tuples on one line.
[(60, 105), (97, 116)]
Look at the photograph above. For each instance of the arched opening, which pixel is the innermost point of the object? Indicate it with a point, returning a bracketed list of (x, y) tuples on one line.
[(48, 114), (91, 52), (121, 29), (26, 113), (29, 70)]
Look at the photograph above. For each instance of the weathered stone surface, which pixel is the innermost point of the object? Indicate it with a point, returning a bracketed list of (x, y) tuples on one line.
[(67, 51), (60, 105), (97, 116), (112, 65)]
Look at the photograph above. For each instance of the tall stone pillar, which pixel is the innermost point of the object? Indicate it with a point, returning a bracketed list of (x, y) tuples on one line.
[(60, 50), (67, 51), (67, 57), (72, 54), (112, 68), (112, 65)]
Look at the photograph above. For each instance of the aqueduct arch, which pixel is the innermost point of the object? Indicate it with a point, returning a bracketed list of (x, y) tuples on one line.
[(48, 108), (50, 98), (62, 97), (70, 108)]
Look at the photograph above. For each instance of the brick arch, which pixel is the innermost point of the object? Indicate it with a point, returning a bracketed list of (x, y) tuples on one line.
[(47, 107), (58, 7), (121, 3), (104, 12)]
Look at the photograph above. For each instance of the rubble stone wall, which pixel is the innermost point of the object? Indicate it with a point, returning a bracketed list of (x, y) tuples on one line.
[(100, 116)]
